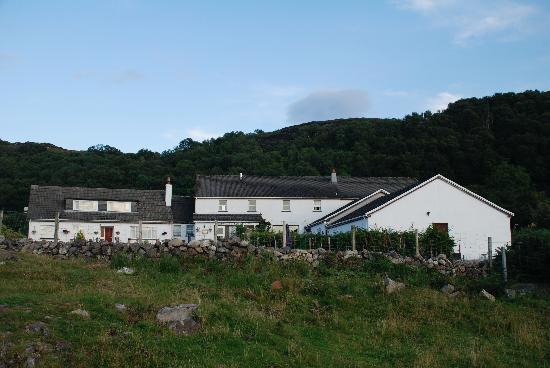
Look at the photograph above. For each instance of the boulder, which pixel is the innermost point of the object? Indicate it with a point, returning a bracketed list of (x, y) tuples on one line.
[(120, 307), (175, 243), (179, 318), (391, 286), (448, 289), (81, 312), (487, 295), (38, 327)]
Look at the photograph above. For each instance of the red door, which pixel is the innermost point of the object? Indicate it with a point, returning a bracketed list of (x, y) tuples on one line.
[(107, 233)]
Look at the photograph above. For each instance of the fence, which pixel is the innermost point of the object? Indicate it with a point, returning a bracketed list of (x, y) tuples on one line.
[(13, 221), (430, 242)]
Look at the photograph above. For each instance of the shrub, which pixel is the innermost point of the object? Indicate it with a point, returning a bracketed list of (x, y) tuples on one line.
[(80, 235), (435, 241), (11, 234), (529, 255)]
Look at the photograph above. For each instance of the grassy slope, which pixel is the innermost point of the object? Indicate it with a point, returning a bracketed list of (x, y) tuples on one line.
[(327, 317)]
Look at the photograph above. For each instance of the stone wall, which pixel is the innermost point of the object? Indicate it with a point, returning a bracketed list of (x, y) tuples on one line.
[(229, 249)]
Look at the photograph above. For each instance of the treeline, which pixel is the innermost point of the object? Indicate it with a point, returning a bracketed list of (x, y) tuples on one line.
[(498, 146)]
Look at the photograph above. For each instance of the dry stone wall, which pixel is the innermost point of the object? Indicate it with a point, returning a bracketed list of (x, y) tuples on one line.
[(230, 249)]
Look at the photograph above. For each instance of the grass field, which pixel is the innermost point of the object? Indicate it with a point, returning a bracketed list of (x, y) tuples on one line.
[(325, 317)]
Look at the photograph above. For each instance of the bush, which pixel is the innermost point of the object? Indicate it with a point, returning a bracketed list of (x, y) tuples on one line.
[(80, 235), (11, 234), (529, 255)]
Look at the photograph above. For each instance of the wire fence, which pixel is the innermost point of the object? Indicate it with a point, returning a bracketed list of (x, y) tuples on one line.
[(430, 242)]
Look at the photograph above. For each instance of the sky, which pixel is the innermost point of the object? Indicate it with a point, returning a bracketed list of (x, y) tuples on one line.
[(147, 74)]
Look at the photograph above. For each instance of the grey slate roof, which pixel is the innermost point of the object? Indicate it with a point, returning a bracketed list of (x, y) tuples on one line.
[(232, 217), (147, 205), (295, 186), (322, 219), (361, 210)]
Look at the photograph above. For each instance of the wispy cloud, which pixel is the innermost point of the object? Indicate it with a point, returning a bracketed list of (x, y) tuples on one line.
[(128, 75), (471, 20), (325, 105), (441, 101), (198, 134)]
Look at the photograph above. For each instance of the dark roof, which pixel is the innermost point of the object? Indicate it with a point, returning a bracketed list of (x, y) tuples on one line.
[(295, 186), (322, 219), (147, 205), (245, 217), (361, 210)]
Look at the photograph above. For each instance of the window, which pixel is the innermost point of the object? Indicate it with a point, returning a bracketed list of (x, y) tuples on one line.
[(190, 229), (84, 205), (222, 205), (113, 206), (251, 205), (317, 205), (177, 231), (286, 205), (147, 232), (46, 231), (221, 231)]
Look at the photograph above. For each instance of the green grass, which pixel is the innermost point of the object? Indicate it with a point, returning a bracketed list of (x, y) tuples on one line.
[(331, 316)]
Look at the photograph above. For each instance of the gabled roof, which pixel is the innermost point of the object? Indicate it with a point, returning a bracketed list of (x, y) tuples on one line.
[(147, 205), (231, 186), (343, 208), (389, 199)]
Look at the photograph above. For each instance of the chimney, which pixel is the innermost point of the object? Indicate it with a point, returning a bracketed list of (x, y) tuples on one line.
[(333, 178), (168, 193), (241, 176)]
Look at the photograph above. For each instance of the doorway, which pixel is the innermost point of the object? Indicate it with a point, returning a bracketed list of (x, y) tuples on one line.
[(107, 233)]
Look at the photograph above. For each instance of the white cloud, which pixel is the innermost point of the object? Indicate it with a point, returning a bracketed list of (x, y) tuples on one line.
[(326, 105), (471, 19), (127, 75), (197, 134), (393, 93), (441, 101)]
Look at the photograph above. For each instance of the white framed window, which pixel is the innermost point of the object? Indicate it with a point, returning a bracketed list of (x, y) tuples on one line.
[(147, 232), (222, 205), (46, 231), (286, 205), (114, 206), (251, 205), (317, 205), (221, 231), (177, 231), (190, 229), (85, 205)]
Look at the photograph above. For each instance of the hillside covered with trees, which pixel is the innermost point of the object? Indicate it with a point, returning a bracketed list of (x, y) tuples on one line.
[(498, 146)]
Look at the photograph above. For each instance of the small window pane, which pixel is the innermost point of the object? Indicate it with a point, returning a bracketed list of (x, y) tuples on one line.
[(190, 229), (286, 204), (222, 205), (317, 205), (251, 205), (177, 231)]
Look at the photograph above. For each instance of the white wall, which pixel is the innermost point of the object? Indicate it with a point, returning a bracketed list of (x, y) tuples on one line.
[(361, 223), (470, 220), (92, 230), (301, 210)]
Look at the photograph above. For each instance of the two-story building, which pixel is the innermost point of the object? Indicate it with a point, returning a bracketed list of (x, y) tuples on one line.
[(225, 201)]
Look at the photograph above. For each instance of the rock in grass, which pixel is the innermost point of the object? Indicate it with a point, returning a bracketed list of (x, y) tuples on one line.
[(81, 312), (126, 270), (179, 318), (38, 327), (448, 289), (120, 307), (487, 295), (276, 285), (391, 286)]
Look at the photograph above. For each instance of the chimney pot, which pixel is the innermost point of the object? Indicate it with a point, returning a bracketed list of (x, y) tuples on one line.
[(168, 193), (333, 178), (240, 176)]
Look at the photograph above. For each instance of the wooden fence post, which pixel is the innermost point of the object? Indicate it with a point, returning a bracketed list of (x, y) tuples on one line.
[(284, 234), (56, 229), (504, 266), (417, 247), (1, 220), (140, 231), (353, 230), (490, 251), (329, 243)]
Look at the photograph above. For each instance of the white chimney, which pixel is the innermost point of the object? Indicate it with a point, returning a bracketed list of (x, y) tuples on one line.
[(241, 176), (333, 178), (168, 193)]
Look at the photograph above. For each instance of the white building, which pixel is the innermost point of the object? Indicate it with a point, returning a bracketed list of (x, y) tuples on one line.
[(469, 218), (122, 215), (231, 200)]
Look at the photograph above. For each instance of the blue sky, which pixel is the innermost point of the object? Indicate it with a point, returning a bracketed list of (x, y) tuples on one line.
[(147, 74)]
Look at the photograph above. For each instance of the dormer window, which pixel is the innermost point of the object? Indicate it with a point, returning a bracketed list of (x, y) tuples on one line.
[(114, 206), (85, 205), (222, 205), (317, 205)]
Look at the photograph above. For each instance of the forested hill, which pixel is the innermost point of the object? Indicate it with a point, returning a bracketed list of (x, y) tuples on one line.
[(498, 146)]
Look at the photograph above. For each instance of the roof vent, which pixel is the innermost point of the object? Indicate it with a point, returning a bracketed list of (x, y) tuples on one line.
[(333, 178)]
